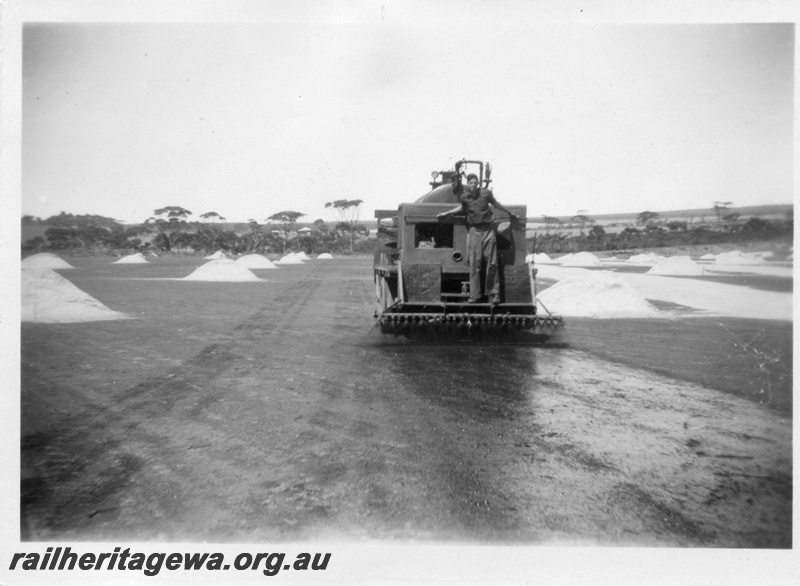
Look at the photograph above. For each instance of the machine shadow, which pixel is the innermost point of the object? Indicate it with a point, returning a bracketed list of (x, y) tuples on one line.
[(473, 379)]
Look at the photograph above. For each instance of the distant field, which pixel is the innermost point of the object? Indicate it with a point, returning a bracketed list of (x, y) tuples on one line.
[(696, 216), (774, 211)]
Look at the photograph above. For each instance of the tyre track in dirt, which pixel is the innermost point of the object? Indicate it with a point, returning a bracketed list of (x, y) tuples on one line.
[(192, 436), (143, 427)]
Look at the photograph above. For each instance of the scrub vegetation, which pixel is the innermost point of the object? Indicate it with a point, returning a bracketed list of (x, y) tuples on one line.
[(171, 230)]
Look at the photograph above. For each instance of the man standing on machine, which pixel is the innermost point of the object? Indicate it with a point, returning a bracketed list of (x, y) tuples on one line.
[(476, 204)]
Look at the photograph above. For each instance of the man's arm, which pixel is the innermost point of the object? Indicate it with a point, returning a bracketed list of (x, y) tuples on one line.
[(459, 164), (456, 179), (449, 213), (457, 188), (503, 208)]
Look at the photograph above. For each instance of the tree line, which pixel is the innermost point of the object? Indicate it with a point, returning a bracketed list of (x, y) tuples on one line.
[(171, 230)]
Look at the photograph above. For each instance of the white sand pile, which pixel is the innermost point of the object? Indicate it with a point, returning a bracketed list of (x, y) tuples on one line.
[(677, 266), (708, 256), (47, 297), (255, 261), (599, 294), (706, 297), (45, 260), (289, 259), (737, 257), (137, 258), (539, 257), (302, 256), (325, 255), (648, 258), (712, 298), (217, 255), (581, 259), (562, 259), (223, 269)]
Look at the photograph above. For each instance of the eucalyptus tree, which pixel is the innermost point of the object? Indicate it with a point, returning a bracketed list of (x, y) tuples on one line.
[(171, 224), (348, 211), (287, 220)]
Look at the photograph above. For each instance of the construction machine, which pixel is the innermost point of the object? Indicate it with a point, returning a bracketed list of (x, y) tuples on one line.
[(421, 271)]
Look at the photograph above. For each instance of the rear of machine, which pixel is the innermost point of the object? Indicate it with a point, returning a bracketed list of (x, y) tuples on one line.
[(422, 275)]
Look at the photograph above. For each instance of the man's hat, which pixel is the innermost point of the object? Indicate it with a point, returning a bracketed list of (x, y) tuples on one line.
[(471, 176)]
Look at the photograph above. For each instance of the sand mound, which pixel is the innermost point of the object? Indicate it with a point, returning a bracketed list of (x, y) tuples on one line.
[(289, 259), (648, 258), (324, 255), (223, 269), (47, 297), (217, 255), (737, 257), (581, 259), (539, 257), (677, 266), (562, 259), (302, 256), (599, 294), (137, 258), (708, 256), (45, 260), (255, 261)]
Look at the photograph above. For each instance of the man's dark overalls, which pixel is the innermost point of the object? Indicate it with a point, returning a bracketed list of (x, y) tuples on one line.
[(481, 244)]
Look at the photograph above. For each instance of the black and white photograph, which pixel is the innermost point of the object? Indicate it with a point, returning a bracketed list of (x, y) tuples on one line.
[(410, 292)]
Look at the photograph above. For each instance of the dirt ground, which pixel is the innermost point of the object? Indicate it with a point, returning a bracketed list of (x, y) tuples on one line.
[(274, 411)]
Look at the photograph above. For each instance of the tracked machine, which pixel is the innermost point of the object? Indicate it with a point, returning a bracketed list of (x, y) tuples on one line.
[(422, 275)]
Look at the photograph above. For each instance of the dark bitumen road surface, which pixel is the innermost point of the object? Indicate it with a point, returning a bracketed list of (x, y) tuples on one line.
[(239, 412)]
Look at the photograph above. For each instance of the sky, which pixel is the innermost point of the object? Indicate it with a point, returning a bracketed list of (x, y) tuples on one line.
[(247, 119)]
